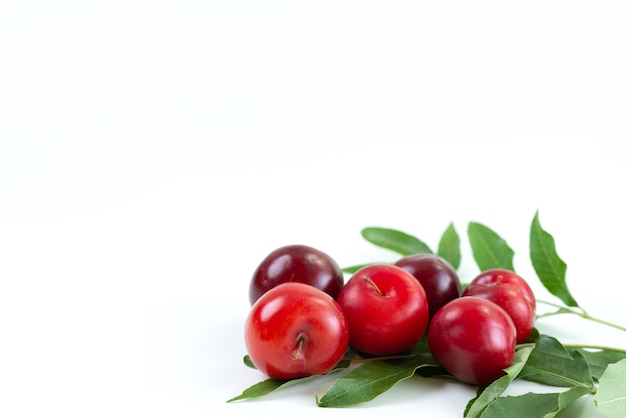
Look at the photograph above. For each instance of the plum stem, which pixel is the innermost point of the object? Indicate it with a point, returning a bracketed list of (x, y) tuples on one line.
[(301, 341), (371, 282)]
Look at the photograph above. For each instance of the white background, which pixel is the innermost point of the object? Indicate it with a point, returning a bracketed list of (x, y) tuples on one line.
[(153, 152)]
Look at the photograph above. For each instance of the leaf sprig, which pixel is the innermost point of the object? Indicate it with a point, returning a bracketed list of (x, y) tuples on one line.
[(597, 371)]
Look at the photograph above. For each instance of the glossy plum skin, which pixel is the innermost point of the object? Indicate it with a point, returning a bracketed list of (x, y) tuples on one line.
[(438, 278), (473, 339), (513, 301), (296, 263), (498, 276), (295, 330), (386, 309)]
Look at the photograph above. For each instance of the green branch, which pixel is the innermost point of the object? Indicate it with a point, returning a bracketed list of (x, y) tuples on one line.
[(580, 312)]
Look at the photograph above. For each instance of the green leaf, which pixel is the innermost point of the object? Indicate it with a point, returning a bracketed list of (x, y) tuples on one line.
[(265, 387), (270, 385), (599, 360), (552, 364), (489, 249), (355, 268), (450, 247), (611, 396), (248, 362), (547, 264), (373, 378), (534, 336), (395, 240), (486, 395), (550, 347), (533, 405)]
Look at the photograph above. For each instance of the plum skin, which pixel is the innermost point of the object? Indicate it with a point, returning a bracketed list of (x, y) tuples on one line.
[(296, 263), (438, 278)]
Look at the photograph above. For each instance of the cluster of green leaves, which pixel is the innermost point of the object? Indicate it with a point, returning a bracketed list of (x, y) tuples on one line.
[(577, 371)]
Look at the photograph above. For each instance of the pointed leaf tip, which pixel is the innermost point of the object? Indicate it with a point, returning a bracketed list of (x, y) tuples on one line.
[(547, 264), (488, 248), (450, 247), (394, 240)]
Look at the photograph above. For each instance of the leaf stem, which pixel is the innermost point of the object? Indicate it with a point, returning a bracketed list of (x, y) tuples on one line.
[(524, 345), (581, 313), (572, 382), (603, 322), (595, 347)]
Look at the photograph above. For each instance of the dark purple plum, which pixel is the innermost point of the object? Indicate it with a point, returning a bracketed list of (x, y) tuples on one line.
[(438, 278), (296, 263)]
